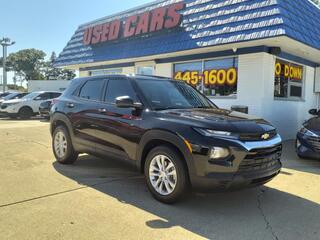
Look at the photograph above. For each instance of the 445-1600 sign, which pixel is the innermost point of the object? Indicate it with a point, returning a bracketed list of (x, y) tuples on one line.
[(212, 77)]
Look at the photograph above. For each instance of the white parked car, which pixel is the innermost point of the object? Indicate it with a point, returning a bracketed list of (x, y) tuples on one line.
[(27, 106)]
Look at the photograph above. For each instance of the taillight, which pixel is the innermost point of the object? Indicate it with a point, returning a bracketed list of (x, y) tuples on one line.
[(54, 101)]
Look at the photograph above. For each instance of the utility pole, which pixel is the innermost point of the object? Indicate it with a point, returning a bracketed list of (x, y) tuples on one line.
[(5, 42)]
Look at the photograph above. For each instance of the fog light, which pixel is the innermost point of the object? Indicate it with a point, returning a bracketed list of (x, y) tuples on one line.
[(219, 153)]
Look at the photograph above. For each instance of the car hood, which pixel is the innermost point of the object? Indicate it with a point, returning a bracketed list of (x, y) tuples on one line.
[(218, 119), (313, 125)]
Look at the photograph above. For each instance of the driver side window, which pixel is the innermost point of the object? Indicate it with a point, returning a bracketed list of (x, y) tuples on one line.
[(119, 88)]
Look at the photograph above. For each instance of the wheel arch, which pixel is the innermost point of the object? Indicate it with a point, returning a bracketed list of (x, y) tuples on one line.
[(59, 119), (26, 107), (154, 138)]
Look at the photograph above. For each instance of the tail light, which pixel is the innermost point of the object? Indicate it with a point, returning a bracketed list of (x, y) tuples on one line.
[(54, 101)]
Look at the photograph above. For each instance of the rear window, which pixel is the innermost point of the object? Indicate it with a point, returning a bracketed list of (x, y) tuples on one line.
[(91, 90)]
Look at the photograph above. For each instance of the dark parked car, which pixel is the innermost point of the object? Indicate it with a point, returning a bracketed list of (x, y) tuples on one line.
[(308, 138), (173, 134), (45, 108)]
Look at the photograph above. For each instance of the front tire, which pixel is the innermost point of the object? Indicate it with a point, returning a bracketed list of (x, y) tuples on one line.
[(166, 174), (25, 113), (62, 146)]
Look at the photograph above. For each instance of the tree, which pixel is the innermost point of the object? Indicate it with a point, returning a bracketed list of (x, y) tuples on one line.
[(27, 63), (53, 73)]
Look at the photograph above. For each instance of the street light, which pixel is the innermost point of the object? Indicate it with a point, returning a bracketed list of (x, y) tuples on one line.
[(5, 42)]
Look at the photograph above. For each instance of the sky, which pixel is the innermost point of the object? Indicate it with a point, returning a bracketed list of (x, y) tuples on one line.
[(49, 24)]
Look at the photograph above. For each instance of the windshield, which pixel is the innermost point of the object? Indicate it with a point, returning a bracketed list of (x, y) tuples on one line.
[(167, 94), (10, 96), (30, 95)]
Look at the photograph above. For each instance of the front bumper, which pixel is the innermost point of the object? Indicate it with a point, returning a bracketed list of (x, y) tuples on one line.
[(309, 146), (250, 164)]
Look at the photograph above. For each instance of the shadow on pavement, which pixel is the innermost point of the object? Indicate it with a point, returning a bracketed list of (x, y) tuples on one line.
[(263, 212), (290, 160)]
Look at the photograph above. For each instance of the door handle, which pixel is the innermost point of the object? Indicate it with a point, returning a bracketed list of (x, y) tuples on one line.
[(102, 110), (70, 105)]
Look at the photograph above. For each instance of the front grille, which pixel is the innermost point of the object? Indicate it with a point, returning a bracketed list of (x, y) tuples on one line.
[(314, 142), (257, 136), (261, 159)]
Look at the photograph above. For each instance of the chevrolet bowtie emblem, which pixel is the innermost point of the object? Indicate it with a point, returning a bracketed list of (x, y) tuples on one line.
[(265, 136)]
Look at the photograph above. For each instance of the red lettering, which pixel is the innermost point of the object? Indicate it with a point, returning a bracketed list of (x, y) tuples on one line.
[(157, 20), (87, 36), (96, 34), (143, 24), (174, 18), (129, 29), (114, 30), (105, 32)]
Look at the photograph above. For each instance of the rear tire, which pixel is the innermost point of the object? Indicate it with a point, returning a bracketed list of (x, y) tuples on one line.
[(62, 146), (166, 174), (25, 113)]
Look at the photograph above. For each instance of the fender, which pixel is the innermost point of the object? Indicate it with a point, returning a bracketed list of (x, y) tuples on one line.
[(63, 118), (173, 138)]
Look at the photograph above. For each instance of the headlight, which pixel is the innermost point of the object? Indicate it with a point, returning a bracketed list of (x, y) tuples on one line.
[(214, 133), (307, 132)]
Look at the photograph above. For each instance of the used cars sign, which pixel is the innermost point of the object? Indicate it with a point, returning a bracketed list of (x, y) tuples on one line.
[(148, 22)]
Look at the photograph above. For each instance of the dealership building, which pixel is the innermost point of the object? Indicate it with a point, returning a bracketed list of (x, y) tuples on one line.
[(263, 54)]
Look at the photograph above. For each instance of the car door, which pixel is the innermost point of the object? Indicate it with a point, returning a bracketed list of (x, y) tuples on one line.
[(40, 99), (118, 129), (82, 110)]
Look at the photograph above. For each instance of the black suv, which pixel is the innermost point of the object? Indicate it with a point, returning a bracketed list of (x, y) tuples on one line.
[(171, 132)]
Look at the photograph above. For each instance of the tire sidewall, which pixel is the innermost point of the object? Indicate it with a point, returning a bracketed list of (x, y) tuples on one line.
[(182, 182)]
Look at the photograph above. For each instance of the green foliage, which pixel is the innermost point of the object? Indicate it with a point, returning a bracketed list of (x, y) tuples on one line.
[(53, 73), (27, 63), (16, 87)]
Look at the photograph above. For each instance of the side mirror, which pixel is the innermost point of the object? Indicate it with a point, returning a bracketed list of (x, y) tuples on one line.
[(314, 112), (127, 102), (37, 98)]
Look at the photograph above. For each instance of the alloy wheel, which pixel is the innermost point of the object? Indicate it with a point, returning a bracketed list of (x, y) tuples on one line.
[(163, 175), (60, 144)]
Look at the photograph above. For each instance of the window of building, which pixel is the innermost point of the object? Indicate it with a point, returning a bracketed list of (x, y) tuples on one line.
[(217, 78), (92, 90), (145, 70), (105, 72), (119, 88), (288, 82)]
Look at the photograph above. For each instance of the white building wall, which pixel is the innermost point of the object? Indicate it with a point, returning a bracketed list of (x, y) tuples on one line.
[(287, 115), (164, 70), (128, 70), (251, 77), (47, 85)]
